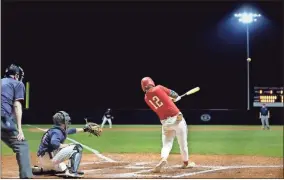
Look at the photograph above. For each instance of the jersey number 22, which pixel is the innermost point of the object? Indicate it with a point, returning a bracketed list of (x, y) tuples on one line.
[(156, 102)]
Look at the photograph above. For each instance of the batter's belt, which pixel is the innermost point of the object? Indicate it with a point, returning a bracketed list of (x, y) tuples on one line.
[(173, 119), (179, 117)]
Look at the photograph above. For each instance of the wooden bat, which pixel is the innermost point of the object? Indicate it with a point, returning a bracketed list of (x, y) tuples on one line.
[(192, 91)]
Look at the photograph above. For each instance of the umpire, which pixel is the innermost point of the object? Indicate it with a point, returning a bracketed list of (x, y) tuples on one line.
[(264, 115), (12, 95)]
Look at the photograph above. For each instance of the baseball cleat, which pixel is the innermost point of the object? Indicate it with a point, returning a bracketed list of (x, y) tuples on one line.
[(78, 172), (159, 166), (69, 174), (188, 165)]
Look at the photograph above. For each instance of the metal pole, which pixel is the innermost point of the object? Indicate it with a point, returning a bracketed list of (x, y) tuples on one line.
[(248, 77)]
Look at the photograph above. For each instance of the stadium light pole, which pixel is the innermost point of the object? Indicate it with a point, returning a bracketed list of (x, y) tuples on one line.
[(247, 19)]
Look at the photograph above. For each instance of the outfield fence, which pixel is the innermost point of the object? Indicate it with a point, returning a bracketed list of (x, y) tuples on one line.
[(146, 116)]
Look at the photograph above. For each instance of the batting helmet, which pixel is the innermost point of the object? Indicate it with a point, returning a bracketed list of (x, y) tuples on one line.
[(61, 117), (145, 82), (15, 70)]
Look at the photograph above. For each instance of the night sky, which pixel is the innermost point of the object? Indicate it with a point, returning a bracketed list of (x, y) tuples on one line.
[(85, 56)]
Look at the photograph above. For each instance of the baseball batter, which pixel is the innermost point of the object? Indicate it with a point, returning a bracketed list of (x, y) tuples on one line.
[(12, 95), (159, 99), (53, 152), (107, 117)]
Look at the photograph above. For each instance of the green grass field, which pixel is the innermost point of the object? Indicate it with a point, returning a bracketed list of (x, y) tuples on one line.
[(210, 140)]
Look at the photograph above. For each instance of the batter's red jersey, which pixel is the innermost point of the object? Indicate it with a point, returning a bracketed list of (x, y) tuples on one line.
[(159, 101)]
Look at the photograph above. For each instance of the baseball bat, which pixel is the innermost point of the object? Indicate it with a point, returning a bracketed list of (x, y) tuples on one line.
[(192, 91)]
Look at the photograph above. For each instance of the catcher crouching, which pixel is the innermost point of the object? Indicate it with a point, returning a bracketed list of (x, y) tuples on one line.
[(53, 152)]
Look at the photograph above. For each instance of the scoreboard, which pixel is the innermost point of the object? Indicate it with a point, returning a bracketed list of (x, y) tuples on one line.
[(270, 96)]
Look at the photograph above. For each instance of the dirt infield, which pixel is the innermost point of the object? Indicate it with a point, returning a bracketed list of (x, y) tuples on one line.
[(140, 165)]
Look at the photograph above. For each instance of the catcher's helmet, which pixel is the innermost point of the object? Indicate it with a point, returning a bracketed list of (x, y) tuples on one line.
[(61, 117), (15, 70), (145, 82)]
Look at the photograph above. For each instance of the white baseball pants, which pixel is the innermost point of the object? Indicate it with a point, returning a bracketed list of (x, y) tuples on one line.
[(104, 121), (56, 161), (264, 121), (169, 132)]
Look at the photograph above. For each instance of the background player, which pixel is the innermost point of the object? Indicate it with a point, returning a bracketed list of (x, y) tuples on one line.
[(53, 152), (159, 100), (264, 115), (12, 95), (107, 117)]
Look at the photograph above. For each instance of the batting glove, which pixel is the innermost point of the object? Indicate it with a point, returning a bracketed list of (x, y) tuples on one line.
[(177, 99)]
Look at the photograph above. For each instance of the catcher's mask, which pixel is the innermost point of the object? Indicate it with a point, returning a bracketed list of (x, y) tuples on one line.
[(16, 71), (64, 119)]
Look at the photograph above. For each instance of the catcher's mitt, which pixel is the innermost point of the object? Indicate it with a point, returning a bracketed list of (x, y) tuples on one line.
[(93, 128)]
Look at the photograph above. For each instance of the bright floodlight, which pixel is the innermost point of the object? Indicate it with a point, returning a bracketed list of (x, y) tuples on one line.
[(247, 18)]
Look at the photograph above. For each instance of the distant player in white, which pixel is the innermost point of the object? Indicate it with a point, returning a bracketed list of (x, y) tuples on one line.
[(107, 117), (264, 115)]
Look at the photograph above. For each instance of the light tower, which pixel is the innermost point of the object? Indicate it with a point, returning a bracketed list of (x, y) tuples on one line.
[(247, 19)]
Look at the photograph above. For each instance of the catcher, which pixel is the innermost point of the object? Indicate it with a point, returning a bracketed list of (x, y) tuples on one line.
[(53, 151)]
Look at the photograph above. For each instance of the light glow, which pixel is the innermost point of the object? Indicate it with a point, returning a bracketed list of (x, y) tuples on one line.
[(247, 18)]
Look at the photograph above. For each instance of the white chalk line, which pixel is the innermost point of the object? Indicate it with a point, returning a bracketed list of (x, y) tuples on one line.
[(199, 172), (223, 168), (116, 167), (143, 163), (214, 168), (87, 163), (137, 167), (137, 173), (97, 153), (233, 167)]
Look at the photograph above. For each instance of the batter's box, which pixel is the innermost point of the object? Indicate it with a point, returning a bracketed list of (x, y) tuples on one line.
[(103, 165), (173, 171), (119, 171)]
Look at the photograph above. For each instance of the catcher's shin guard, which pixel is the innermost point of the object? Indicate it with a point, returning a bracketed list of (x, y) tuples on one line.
[(76, 158)]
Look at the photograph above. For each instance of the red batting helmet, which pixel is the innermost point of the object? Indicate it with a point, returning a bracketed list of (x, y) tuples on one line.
[(145, 82)]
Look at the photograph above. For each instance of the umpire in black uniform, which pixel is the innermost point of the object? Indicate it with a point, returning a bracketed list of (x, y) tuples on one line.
[(12, 95)]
